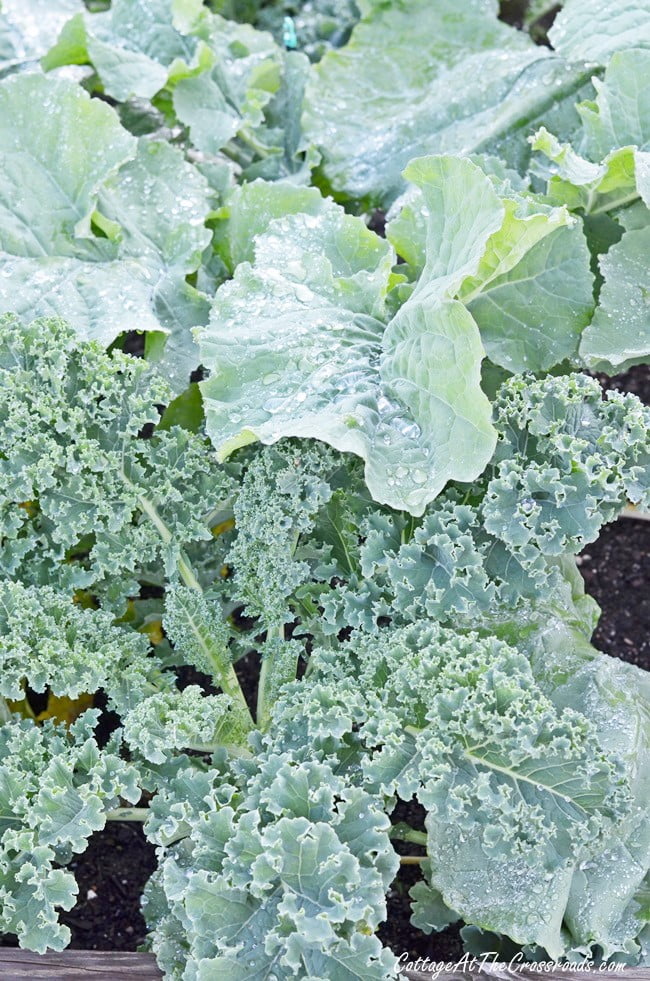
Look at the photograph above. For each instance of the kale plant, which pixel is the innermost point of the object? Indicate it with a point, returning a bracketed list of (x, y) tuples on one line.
[(292, 507)]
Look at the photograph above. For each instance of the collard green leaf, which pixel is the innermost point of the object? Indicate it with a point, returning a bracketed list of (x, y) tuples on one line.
[(429, 78), (61, 154), (28, 29), (616, 134), (132, 277), (620, 113), (613, 168), (580, 184), (300, 346), (531, 294), (619, 334), (250, 207), (132, 46), (593, 30)]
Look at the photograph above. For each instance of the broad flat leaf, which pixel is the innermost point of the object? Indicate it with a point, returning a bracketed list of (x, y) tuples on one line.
[(28, 27), (298, 343), (224, 80), (592, 30), (242, 76), (57, 148), (131, 46), (428, 78), (251, 206), (67, 155), (620, 113), (531, 295), (247, 93), (531, 317), (619, 335)]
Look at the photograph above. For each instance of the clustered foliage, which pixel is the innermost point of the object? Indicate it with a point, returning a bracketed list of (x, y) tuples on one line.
[(362, 463)]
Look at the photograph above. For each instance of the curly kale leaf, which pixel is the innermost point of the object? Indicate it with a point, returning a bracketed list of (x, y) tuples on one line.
[(188, 719), (281, 493), (56, 786), (566, 462), (77, 482), (50, 643), (283, 874), (532, 773)]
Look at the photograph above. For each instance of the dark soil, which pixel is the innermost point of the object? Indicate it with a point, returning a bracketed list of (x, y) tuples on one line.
[(111, 875)]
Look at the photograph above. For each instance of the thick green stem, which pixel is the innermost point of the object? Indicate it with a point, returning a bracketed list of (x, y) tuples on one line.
[(412, 859), (263, 707), (402, 832), (227, 679), (128, 814)]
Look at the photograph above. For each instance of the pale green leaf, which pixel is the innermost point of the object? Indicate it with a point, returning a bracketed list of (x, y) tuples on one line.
[(593, 30), (132, 46), (428, 78), (619, 334), (317, 359), (531, 294), (133, 275), (27, 29)]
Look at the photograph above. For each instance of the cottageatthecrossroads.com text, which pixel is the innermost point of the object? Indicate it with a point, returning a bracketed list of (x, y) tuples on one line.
[(490, 964)]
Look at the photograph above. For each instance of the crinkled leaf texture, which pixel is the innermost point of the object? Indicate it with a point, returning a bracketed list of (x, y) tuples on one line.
[(70, 417), (301, 342), (283, 874), (533, 768), (52, 644), (55, 788)]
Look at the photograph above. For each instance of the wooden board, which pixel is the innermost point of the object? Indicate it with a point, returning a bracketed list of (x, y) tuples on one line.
[(77, 965), (97, 965)]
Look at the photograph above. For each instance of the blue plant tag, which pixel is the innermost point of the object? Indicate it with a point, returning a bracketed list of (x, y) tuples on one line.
[(289, 38)]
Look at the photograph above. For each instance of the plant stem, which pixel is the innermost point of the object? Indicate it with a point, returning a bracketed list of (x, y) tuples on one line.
[(402, 833), (262, 708), (128, 814), (632, 511), (228, 681), (412, 859)]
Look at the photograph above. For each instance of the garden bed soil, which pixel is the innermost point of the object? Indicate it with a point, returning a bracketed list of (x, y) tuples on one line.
[(113, 870)]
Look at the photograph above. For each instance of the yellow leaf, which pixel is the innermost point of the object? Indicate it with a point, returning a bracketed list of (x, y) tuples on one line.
[(225, 526), (64, 709)]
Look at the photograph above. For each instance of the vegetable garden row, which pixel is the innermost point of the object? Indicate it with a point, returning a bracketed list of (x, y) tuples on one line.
[(289, 508)]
